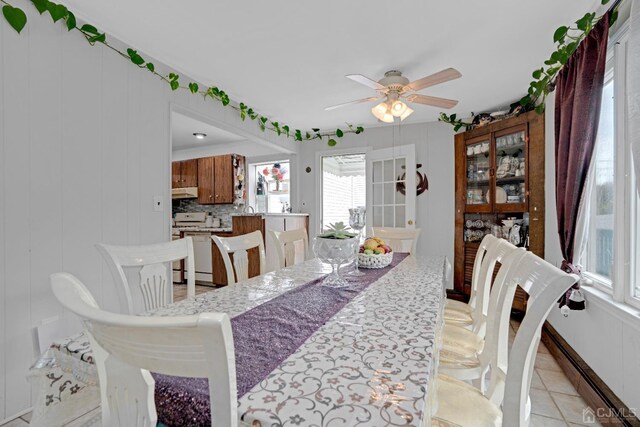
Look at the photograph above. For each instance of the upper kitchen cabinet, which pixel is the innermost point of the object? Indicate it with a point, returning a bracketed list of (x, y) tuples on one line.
[(224, 179), (184, 174), (217, 179)]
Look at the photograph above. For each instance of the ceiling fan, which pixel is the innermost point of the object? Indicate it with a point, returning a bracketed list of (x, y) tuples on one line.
[(394, 88)]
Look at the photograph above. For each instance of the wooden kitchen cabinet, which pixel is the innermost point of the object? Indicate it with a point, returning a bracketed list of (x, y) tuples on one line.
[(216, 180), (206, 181), (224, 179), (184, 173)]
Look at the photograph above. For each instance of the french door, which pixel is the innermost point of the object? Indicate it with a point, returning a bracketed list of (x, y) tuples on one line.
[(391, 187)]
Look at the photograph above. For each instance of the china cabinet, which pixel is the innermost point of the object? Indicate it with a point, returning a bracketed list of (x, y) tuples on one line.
[(499, 190)]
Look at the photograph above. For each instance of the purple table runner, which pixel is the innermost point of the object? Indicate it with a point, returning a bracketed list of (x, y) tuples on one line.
[(263, 337)]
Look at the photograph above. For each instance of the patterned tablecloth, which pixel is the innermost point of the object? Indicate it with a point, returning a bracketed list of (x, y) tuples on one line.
[(370, 364)]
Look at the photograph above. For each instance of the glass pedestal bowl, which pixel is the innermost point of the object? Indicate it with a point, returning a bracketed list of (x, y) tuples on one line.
[(335, 252)]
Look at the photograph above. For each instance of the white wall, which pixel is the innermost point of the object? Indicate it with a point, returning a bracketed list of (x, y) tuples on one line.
[(434, 149), (84, 147), (606, 336)]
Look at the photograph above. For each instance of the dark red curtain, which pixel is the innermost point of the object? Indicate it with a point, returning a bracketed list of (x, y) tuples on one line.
[(577, 113)]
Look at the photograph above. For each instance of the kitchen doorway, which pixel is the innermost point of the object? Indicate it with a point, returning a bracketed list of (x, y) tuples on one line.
[(343, 186)]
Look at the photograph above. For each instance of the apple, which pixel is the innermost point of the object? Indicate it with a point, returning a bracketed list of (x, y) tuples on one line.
[(387, 248), (370, 244), (379, 250), (368, 251)]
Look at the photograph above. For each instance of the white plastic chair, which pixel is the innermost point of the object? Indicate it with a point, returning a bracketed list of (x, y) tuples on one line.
[(464, 354), (460, 306), (238, 246), (156, 279), (461, 404), (285, 244), (399, 238), (127, 347)]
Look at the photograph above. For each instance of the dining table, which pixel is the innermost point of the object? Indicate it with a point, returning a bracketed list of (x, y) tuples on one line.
[(309, 354)]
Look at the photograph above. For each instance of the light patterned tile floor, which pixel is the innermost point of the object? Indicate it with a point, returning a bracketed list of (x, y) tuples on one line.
[(554, 400)]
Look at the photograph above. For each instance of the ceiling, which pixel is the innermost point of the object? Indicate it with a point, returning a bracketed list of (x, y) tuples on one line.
[(287, 59), (183, 128)]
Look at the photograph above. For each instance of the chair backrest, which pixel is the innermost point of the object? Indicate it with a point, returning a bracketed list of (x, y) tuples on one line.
[(495, 252), (127, 347), (496, 343), (545, 284), (285, 245), (238, 246), (156, 282), (486, 242), (400, 239)]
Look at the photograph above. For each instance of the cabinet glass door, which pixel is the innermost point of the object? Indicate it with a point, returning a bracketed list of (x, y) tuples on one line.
[(478, 175), (511, 164)]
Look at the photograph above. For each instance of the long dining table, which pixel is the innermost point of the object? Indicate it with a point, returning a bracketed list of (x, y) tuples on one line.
[(313, 355)]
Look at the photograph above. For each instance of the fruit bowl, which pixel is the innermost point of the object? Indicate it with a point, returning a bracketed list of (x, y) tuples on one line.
[(375, 260), (374, 253)]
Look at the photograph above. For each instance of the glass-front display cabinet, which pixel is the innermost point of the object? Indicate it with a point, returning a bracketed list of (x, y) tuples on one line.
[(496, 171), (499, 191)]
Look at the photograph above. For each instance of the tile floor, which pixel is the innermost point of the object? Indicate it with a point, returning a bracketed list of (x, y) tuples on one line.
[(554, 400)]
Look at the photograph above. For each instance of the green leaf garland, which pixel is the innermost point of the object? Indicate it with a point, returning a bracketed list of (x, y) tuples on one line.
[(17, 19), (567, 39)]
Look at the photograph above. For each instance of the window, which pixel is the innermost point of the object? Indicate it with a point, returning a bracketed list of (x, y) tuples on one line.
[(602, 192), (271, 187), (612, 256)]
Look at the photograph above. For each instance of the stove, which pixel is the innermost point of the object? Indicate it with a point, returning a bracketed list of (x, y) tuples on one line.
[(190, 220)]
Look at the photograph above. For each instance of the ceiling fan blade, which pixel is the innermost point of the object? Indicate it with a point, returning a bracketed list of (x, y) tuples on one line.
[(372, 98), (434, 79), (432, 100), (365, 81)]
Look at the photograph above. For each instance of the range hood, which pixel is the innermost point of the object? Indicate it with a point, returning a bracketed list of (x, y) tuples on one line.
[(184, 193)]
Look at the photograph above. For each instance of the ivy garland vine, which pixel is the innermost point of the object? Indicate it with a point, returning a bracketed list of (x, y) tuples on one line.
[(17, 19), (567, 39)]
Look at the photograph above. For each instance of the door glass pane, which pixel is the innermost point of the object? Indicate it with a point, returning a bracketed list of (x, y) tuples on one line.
[(388, 171), (400, 162), (389, 220), (389, 190), (478, 178), (377, 216), (400, 198), (510, 168), (400, 216), (377, 171), (377, 194)]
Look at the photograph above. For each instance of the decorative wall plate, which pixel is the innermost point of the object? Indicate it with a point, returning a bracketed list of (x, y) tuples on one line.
[(421, 187)]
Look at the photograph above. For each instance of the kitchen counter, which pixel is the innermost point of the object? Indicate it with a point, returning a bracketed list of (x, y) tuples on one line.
[(204, 229), (285, 214)]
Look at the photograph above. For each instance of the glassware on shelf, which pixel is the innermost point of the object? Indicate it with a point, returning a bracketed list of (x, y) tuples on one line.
[(357, 218)]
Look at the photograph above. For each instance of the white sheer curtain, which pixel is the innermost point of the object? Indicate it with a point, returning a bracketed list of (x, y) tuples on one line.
[(633, 85)]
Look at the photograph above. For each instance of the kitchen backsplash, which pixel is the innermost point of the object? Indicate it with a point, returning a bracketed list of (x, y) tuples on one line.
[(218, 211)]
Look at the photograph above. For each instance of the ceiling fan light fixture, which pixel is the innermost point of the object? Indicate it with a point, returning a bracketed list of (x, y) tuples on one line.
[(398, 108), (407, 112), (382, 112)]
